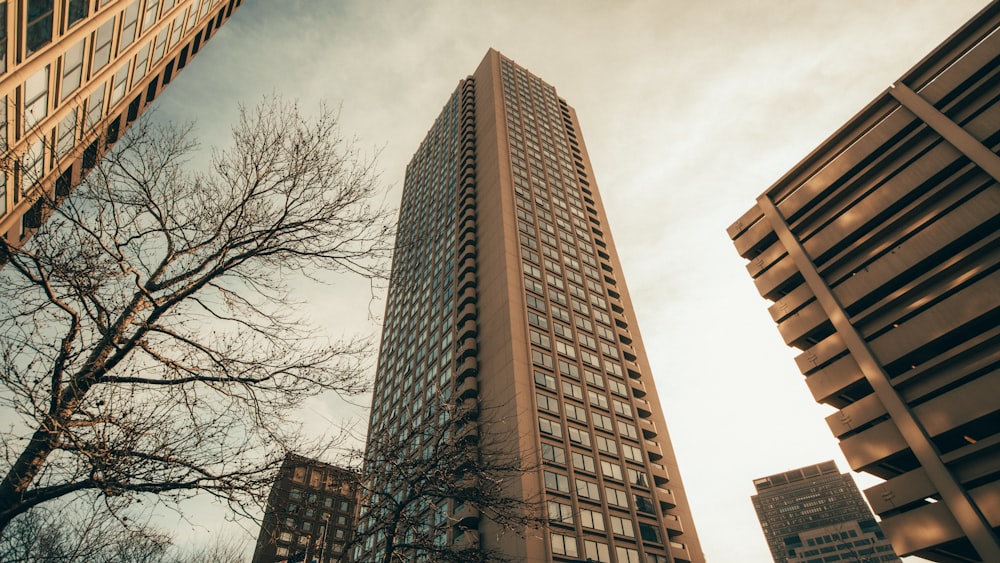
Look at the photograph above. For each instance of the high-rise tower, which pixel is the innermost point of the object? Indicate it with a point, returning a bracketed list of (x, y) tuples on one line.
[(507, 291), (881, 253), (74, 75), (815, 514)]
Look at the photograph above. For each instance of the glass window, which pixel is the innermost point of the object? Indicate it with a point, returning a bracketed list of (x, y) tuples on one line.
[(95, 106), (556, 482), (559, 512), (597, 551), (72, 69), (616, 497), (627, 555), (76, 11), (579, 436), (583, 462), (36, 98), (637, 478), (119, 84), (3, 193), (607, 445), (130, 22), (563, 545), (591, 519), (38, 25), (550, 427), (32, 165), (611, 470), (648, 532), (3, 37), (141, 63), (553, 453), (175, 37), (3, 122), (192, 17), (152, 9), (102, 46), (586, 489), (66, 135), (160, 46), (622, 526)]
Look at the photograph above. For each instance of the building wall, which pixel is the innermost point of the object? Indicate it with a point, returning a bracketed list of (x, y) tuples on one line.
[(310, 510), (74, 75), (545, 342), (880, 252)]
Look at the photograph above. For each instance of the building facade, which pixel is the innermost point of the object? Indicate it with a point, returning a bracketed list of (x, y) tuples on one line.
[(309, 514), (880, 252), (815, 514), (74, 75), (507, 293)]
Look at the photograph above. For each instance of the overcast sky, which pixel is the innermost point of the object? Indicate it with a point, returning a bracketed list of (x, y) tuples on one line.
[(690, 109)]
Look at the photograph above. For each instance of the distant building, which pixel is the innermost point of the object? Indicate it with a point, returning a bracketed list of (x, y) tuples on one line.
[(816, 514), (881, 253), (74, 75), (309, 514), (507, 290)]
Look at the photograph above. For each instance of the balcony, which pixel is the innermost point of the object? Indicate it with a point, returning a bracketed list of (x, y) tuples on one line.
[(638, 388), (466, 516), (467, 367), (467, 433), (467, 295), (466, 349), (467, 329), (680, 552), (642, 406), (466, 539), (660, 474), (655, 453), (468, 408), (467, 311), (673, 525), (648, 428), (666, 498), (469, 387)]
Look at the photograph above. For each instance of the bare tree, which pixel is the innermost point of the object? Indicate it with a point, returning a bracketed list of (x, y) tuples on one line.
[(149, 342), (224, 549), (81, 531), (430, 485)]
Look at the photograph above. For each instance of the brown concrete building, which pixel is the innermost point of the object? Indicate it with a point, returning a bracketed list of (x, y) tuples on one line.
[(74, 75), (815, 514), (309, 514), (880, 251), (507, 292)]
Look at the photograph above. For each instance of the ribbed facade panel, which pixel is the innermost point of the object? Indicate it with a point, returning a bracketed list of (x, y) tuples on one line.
[(881, 253)]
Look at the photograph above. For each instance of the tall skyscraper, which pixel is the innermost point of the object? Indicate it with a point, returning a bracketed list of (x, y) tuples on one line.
[(74, 75), (815, 514), (880, 252), (309, 514), (507, 291)]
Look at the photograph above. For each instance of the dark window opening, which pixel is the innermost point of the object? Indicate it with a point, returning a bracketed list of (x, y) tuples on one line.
[(64, 182), (39, 25), (90, 156), (168, 73), (133, 109), (151, 90), (113, 129)]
